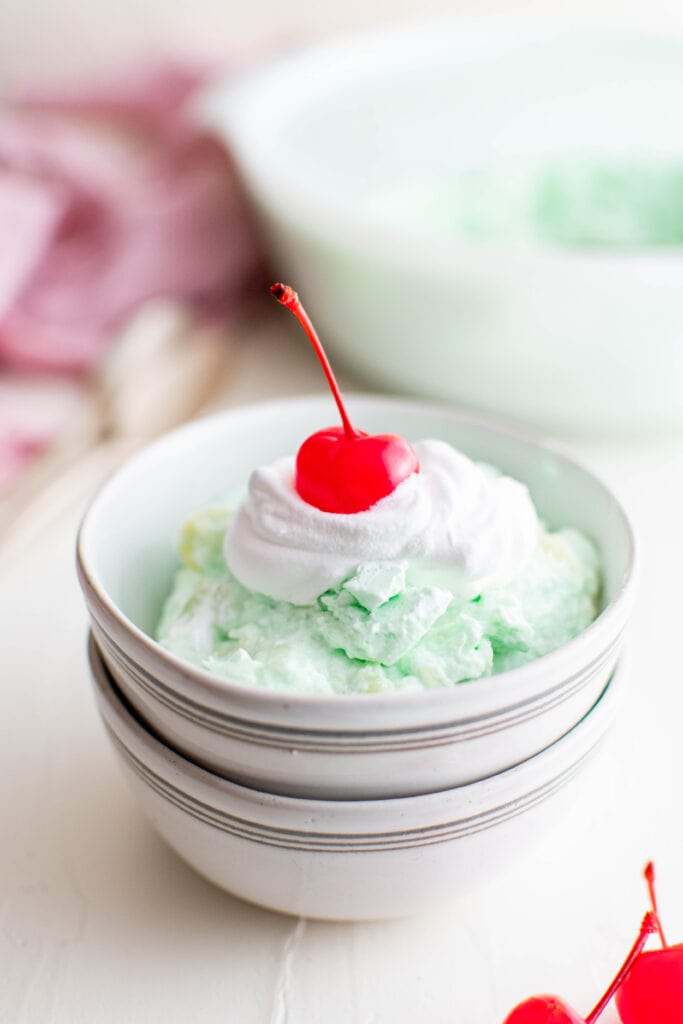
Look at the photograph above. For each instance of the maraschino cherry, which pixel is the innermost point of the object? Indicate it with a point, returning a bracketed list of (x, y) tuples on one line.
[(652, 992), (341, 469), (552, 1010)]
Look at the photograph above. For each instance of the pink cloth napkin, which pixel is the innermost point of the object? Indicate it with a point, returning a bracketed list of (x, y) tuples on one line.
[(110, 195)]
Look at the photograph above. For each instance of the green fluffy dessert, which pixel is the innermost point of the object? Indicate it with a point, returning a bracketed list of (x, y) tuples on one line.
[(385, 628), (586, 203)]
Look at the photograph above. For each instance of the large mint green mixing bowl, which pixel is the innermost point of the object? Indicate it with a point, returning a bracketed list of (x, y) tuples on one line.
[(347, 151)]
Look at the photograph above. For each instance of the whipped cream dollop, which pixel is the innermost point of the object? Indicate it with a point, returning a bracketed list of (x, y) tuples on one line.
[(453, 517)]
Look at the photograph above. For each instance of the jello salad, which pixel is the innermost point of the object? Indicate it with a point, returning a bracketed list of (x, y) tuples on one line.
[(368, 564)]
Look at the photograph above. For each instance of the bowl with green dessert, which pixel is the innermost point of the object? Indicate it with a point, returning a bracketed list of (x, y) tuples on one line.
[(459, 626)]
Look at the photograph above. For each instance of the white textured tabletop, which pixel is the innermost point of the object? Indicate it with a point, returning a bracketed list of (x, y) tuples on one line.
[(100, 922)]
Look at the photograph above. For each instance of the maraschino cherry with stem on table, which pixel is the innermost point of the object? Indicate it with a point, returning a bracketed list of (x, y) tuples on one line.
[(553, 1010), (341, 469), (652, 992)]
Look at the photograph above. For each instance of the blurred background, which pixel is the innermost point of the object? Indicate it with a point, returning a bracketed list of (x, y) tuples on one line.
[(480, 183), (489, 212), (66, 35)]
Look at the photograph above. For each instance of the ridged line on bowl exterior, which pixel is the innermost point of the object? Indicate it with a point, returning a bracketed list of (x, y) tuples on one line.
[(422, 737), (343, 843), (119, 718), (222, 690)]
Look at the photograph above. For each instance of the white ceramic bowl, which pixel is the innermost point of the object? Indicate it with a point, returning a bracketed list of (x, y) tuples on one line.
[(337, 747), (347, 859), (572, 339)]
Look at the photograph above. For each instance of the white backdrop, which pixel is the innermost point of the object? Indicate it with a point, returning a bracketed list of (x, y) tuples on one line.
[(46, 36)]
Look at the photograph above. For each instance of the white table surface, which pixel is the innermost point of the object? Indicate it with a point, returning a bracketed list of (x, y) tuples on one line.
[(101, 924)]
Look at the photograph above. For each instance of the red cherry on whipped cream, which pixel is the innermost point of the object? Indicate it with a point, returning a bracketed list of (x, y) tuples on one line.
[(341, 469), (652, 992), (552, 1010)]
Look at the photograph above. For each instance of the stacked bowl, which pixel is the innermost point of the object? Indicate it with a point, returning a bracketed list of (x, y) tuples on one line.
[(340, 806)]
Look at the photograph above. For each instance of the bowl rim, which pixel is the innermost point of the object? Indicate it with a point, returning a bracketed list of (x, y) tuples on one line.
[(507, 789), (223, 689), (229, 106)]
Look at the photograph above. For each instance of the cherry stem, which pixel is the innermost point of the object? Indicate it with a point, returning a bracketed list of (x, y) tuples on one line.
[(649, 874), (647, 928), (289, 298)]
